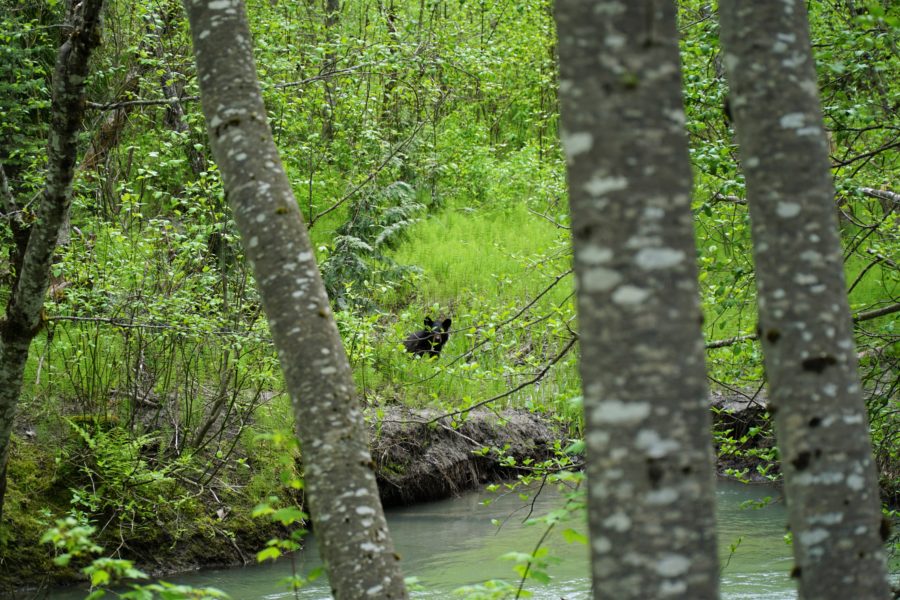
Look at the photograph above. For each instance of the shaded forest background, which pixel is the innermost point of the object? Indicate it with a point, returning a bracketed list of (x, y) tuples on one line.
[(421, 139)]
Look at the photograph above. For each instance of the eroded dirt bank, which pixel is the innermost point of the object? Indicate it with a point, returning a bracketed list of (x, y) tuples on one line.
[(420, 456)]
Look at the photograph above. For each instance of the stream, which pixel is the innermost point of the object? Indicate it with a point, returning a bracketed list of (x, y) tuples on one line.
[(451, 543)]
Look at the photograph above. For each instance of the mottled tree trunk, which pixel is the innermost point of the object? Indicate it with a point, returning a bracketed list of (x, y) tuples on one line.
[(332, 35), (340, 483), (23, 311), (804, 317), (649, 449)]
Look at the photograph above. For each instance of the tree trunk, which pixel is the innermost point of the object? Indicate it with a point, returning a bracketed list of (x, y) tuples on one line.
[(649, 450), (332, 35), (340, 484), (161, 25), (804, 316), (24, 310), (391, 120)]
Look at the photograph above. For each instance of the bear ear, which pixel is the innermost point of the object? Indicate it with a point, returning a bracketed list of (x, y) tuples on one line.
[(446, 324), (428, 322)]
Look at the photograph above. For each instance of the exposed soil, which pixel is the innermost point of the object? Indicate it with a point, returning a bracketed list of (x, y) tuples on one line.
[(420, 457)]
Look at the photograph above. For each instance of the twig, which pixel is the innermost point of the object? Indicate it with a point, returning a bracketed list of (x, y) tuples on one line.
[(374, 173), (719, 197), (129, 103), (104, 106), (125, 324), (537, 547), (857, 318), (875, 313), (881, 194), (878, 258), (449, 429), (525, 384), (731, 341), (556, 224), (866, 155)]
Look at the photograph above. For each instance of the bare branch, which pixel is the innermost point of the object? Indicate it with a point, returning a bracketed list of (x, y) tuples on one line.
[(878, 258), (881, 194), (718, 197), (509, 392), (731, 341), (184, 99), (372, 175), (556, 224), (126, 324), (875, 313), (867, 155), (857, 318)]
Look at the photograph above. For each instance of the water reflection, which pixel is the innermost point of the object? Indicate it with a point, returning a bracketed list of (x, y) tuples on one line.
[(452, 543), (761, 563)]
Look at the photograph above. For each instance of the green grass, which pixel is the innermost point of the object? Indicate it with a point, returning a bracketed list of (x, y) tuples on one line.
[(876, 284), (505, 253), (480, 266)]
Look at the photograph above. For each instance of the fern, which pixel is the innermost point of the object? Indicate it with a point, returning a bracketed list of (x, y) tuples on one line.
[(357, 257)]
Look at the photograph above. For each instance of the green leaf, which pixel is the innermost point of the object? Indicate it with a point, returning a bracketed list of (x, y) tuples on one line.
[(539, 576), (100, 577), (62, 560), (576, 447), (271, 553), (288, 515), (572, 536)]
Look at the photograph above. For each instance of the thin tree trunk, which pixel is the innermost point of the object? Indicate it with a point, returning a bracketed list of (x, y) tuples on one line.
[(172, 85), (24, 309), (804, 317), (649, 448), (390, 106), (109, 133), (340, 483), (332, 11)]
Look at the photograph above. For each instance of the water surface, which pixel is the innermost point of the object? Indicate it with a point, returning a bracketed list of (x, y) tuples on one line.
[(451, 543)]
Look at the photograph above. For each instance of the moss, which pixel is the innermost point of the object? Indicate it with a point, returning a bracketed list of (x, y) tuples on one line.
[(169, 523), (30, 507), (390, 468)]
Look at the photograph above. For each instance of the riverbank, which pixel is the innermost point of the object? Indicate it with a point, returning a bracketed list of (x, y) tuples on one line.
[(422, 456), (419, 456)]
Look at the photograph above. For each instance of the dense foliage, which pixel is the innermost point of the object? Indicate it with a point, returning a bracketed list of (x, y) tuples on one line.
[(421, 140)]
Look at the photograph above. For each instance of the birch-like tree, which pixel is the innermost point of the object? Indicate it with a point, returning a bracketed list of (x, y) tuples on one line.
[(649, 449), (36, 243), (340, 482), (804, 317)]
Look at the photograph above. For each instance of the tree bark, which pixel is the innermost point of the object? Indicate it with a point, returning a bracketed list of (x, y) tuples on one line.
[(172, 84), (340, 483), (804, 317), (24, 310), (332, 12), (649, 448)]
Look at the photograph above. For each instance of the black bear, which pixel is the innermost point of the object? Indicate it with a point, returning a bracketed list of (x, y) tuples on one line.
[(430, 340)]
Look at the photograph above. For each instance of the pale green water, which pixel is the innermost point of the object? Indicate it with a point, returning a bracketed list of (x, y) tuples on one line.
[(452, 543)]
